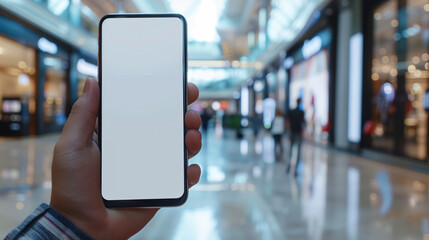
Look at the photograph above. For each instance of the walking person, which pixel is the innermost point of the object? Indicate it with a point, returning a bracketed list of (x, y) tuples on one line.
[(256, 125), (297, 123), (277, 131), (205, 118)]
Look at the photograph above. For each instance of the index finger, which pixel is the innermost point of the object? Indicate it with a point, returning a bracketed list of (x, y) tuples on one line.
[(193, 93)]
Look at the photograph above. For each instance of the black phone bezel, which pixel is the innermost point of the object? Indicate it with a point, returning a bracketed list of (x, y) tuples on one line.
[(168, 202)]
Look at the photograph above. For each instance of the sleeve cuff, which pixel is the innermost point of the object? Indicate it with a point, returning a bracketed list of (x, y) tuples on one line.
[(46, 223)]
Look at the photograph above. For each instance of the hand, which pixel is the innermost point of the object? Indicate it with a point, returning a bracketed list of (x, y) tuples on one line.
[(76, 171)]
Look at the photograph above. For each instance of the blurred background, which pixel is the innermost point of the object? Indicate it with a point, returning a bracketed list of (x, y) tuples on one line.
[(360, 67)]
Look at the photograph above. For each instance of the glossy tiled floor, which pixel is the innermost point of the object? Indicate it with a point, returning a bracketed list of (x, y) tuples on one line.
[(245, 194)]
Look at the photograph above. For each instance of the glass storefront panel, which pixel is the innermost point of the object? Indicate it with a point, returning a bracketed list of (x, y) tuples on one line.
[(17, 88), (308, 76), (55, 92), (384, 76), (400, 78), (310, 82), (417, 45)]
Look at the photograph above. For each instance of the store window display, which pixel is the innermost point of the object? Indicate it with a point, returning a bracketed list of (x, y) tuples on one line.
[(400, 77), (17, 88), (310, 82)]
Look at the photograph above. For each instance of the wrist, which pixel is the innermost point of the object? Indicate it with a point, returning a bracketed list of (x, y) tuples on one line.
[(82, 221)]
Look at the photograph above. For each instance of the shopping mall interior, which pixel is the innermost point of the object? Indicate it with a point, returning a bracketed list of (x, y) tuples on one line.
[(359, 67)]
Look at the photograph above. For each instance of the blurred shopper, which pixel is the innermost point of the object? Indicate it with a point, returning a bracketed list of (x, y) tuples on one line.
[(205, 118), (256, 125), (76, 210), (277, 131), (297, 123)]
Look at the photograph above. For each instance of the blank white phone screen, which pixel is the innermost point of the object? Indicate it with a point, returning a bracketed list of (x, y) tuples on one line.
[(142, 108)]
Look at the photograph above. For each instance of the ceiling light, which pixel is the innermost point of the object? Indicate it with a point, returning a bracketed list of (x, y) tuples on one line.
[(22, 64), (377, 16), (216, 106), (418, 73), (23, 80), (386, 69)]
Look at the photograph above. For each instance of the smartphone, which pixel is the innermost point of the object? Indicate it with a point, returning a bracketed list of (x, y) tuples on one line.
[(142, 78)]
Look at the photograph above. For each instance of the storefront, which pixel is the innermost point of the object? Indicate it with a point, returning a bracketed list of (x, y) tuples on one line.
[(309, 68), (397, 78), (39, 80), (17, 87)]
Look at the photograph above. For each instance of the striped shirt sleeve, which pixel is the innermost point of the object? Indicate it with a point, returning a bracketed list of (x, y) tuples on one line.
[(46, 223)]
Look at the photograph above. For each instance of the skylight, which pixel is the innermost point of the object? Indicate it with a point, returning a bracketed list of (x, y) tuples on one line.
[(202, 17)]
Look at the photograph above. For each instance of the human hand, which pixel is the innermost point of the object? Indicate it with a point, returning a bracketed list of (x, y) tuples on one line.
[(76, 171)]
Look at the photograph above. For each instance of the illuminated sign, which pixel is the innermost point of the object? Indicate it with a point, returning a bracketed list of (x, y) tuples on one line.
[(47, 46), (87, 68), (311, 47), (244, 101), (288, 63), (355, 88)]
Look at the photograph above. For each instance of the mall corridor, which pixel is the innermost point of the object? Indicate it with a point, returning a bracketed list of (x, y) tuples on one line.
[(244, 79), (245, 194)]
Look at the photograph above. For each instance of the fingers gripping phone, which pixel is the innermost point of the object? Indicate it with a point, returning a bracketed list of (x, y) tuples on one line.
[(142, 77)]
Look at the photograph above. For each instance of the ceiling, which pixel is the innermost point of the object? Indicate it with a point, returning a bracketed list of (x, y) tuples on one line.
[(227, 31), (232, 39), (217, 29)]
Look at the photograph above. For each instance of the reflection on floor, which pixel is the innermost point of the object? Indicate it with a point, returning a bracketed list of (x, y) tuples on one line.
[(245, 194)]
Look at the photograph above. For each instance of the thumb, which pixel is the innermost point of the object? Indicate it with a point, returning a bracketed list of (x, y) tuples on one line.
[(79, 128)]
